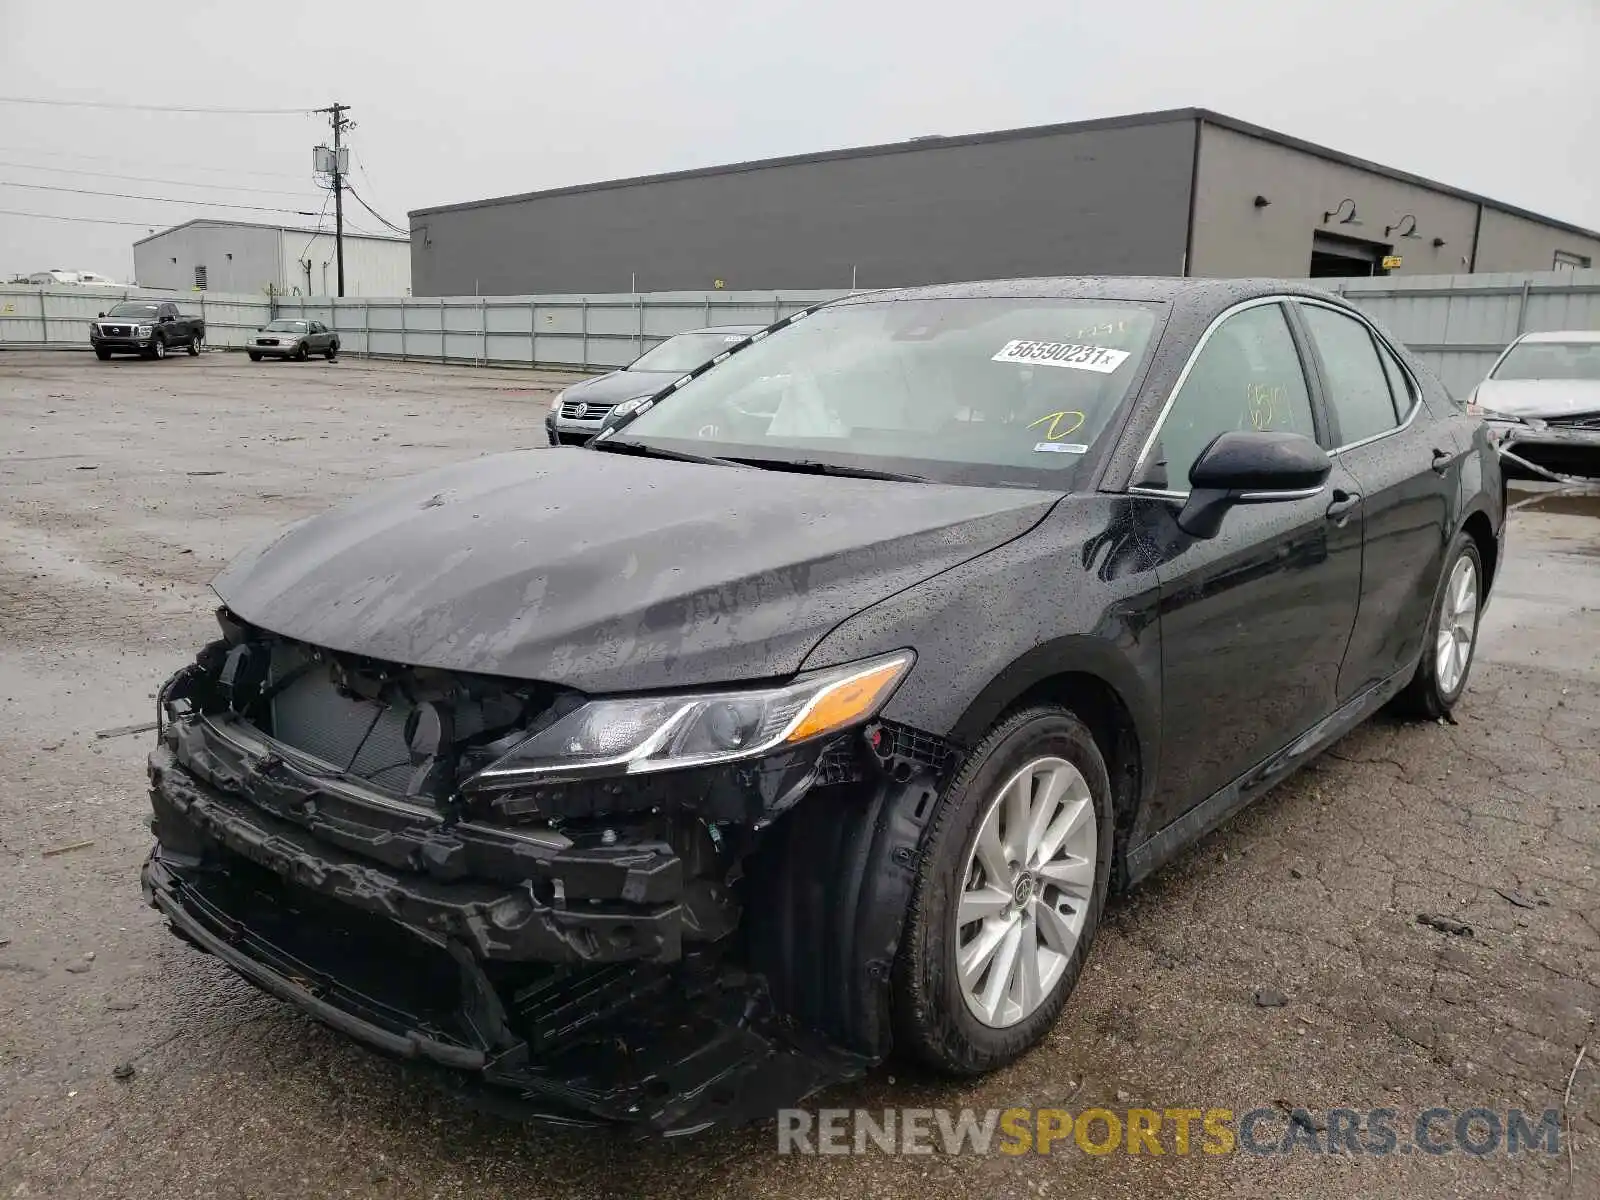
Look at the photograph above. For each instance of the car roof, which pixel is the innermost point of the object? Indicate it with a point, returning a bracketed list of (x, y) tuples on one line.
[(1150, 288), (723, 329), (1562, 335)]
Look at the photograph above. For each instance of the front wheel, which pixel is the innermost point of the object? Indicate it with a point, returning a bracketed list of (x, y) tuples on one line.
[(1451, 638), (1009, 891), (254, 357), (303, 353), (102, 355), (158, 348)]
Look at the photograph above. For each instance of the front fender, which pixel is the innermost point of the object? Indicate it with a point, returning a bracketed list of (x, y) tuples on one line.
[(1075, 596)]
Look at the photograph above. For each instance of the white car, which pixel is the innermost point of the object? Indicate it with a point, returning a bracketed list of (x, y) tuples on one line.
[(1542, 401)]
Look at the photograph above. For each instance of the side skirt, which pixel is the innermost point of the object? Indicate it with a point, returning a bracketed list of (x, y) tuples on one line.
[(1161, 847)]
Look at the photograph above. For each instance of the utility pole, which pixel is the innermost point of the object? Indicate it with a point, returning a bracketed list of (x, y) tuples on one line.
[(340, 123)]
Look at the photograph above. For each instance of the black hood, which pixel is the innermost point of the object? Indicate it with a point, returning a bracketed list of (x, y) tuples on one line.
[(607, 572), (618, 386)]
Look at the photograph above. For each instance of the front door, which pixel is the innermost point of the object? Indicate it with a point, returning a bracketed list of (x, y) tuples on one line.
[(1406, 469), (1254, 622)]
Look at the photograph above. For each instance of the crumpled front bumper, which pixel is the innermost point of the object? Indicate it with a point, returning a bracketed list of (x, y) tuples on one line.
[(1546, 450), (563, 1019), (619, 903)]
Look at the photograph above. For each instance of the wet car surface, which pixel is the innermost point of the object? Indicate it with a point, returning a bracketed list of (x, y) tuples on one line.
[(232, 1092)]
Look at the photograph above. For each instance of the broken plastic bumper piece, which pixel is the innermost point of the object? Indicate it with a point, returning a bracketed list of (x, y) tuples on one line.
[(578, 1011)]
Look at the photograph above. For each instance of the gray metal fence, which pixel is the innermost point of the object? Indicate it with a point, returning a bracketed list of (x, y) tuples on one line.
[(59, 316), (1456, 323), (586, 332)]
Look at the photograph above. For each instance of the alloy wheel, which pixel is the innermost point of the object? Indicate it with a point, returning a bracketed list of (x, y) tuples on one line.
[(1458, 625), (1026, 891)]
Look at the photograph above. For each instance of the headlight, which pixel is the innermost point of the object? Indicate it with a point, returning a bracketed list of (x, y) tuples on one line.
[(627, 406), (555, 405), (660, 733), (146, 330)]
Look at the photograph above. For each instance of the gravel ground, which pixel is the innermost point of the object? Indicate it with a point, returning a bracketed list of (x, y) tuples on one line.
[(125, 486)]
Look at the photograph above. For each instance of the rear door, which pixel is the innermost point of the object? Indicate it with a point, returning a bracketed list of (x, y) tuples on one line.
[(1254, 622), (1406, 468)]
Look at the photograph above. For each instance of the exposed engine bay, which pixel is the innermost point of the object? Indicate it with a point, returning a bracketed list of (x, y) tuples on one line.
[(326, 825)]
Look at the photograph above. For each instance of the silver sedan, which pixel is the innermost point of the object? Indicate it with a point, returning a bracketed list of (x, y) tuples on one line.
[(298, 339)]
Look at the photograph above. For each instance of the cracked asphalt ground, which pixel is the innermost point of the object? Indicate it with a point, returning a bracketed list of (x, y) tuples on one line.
[(125, 486)]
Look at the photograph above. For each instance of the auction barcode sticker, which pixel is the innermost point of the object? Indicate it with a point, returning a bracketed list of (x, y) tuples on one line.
[(1063, 354)]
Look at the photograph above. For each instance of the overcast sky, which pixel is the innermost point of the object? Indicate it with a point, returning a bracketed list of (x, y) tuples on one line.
[(461, 101)]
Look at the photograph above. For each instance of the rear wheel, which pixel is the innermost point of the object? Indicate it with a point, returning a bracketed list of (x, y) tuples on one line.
[(1009, 891), (194, 345), (332, 351), (1451, 638)]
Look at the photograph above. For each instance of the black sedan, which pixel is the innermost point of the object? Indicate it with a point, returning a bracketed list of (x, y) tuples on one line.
[(815, 708)]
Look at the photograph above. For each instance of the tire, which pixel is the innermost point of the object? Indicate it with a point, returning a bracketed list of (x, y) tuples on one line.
[(194, 345), (102, 355), (303, 353), (332, 352), (1439, 683), (935, 1021), (254, 357), (158, 347)]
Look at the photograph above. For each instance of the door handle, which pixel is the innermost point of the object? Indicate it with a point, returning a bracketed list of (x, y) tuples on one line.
[(1344, 503), (1442, 460)]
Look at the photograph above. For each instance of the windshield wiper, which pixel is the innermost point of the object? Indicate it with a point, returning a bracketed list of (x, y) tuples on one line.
[(813, 467), (641, 448)]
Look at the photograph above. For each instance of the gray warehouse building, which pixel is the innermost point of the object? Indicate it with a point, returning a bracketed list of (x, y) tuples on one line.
[(1185, 191)]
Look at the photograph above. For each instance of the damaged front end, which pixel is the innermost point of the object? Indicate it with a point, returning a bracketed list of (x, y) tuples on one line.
[(512, 879), (1558, 449)]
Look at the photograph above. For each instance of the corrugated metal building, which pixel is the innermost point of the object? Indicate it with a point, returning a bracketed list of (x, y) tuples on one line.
[(242, 257), (1185, 191)]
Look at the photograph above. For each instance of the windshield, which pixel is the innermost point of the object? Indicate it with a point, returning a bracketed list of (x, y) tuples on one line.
[(976, 390), (132, 310), (685, 352), (1551, 360), (287, 327)]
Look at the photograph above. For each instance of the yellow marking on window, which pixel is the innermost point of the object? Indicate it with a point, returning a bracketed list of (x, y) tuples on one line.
[(1055, 433)]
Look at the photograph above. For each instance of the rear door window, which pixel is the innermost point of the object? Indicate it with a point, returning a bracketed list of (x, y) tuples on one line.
[(1359, 391), (1248, 375), (1399, 382)]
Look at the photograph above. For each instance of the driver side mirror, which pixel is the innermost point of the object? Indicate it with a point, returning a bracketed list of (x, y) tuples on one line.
[(102, 314), (1250, 468)]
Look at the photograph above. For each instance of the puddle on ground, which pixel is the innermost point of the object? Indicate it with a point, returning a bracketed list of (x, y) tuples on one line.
[(1573, 501)]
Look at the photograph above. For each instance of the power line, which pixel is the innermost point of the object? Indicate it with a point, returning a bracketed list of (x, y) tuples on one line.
[(46, 187), (17, 212), (170, 108), (322, 216), (300, 259), (144, 162), (362, 164), (370, 209), (226, 187)]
